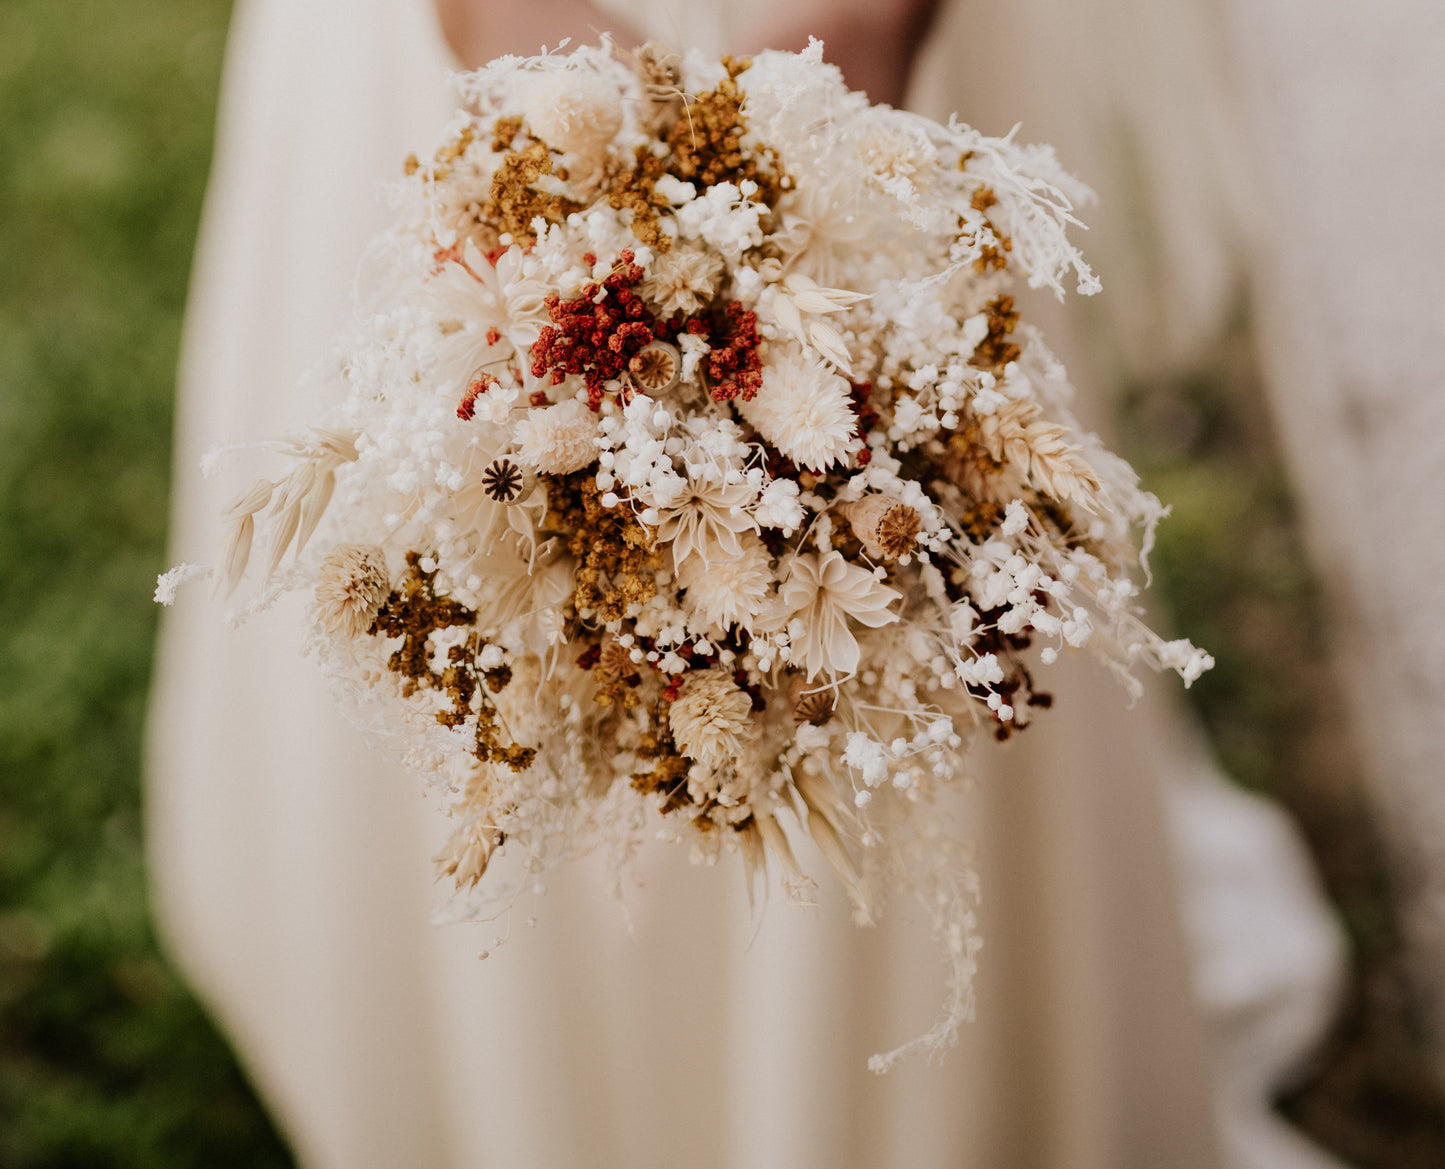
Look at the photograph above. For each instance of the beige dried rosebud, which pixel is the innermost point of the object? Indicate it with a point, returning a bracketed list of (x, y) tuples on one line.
[(810, 704), (887, 528), (656, 368), (352, 587)]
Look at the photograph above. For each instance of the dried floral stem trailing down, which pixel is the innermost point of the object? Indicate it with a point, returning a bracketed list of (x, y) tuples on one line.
[(694, 464)]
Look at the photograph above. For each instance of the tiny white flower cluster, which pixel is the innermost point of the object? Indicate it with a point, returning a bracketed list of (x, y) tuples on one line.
[(695, 468)]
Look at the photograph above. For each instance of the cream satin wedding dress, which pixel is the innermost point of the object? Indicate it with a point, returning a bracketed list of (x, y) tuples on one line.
[(292, 870)]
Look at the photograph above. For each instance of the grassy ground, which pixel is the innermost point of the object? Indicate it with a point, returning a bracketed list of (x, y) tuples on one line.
[(106, 112)]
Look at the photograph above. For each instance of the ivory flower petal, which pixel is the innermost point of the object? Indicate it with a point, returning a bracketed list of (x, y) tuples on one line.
[(816, 601)]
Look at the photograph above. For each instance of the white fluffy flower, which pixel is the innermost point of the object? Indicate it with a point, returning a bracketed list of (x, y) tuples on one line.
[(896, 153), (681, 280), (353, 585), (557, 440), (574, 110), (815, 602), (724, 219), (712, 719), (727, 591), (804, 409)]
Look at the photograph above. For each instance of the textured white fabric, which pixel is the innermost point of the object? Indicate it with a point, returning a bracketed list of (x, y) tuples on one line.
[(292, 870), (1141, 99), (1347, 257)]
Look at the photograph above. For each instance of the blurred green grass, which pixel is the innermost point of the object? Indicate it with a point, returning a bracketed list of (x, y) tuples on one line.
[(106, 112)]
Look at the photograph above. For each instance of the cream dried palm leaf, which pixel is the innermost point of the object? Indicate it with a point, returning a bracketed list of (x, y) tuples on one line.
[(821, 228), (520, 578), (821, 593), (522, 584), (471, 296)]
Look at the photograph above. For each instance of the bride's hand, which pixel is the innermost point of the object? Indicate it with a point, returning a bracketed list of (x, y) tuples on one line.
[(478, 30), (874, 42)]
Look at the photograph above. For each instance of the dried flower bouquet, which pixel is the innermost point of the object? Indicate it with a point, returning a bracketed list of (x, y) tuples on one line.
[(693, 468)]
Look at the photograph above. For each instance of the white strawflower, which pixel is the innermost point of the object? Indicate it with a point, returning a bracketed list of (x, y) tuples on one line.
[(557, 440), (682, 280), (727, 591), (711, 720), (804, 409), (816, 600), (353, 585)]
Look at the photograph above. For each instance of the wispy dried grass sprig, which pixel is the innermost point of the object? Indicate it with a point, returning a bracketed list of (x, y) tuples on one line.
[(826, 817), (297, 503), (1016, 434)]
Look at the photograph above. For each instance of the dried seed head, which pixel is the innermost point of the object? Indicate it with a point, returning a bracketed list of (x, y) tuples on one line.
[(616, 660), (897, 531), (887, 528), (468, 853), (506, 482), (809, 705), (656, 367)]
